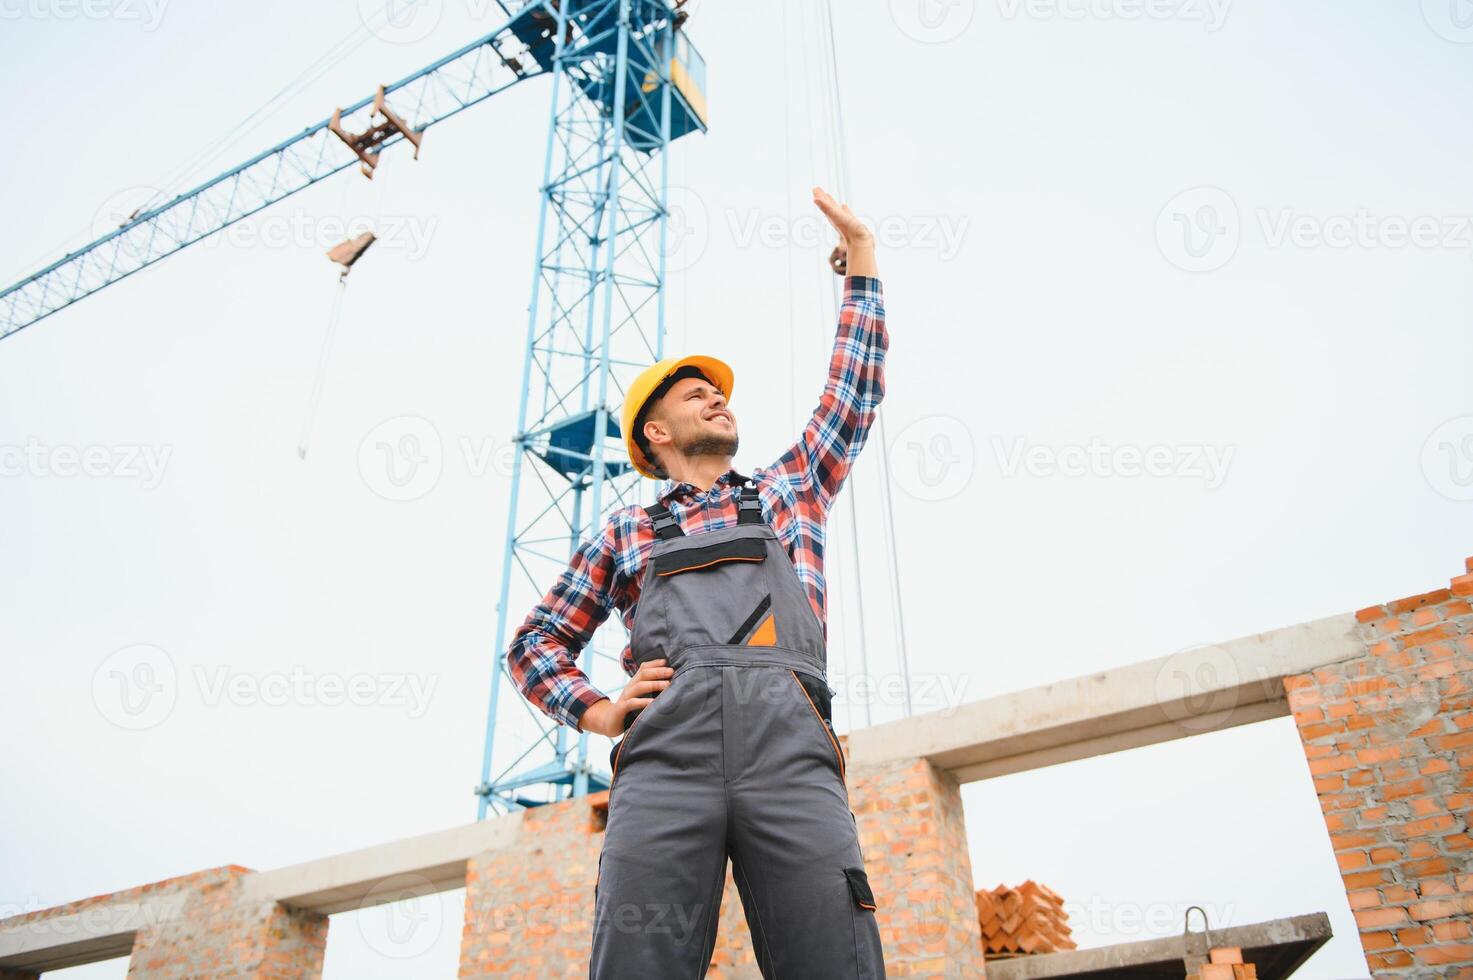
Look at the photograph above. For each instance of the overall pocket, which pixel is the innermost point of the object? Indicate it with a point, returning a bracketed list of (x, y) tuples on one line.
[(709, 556), (815, 692), (859, 888)]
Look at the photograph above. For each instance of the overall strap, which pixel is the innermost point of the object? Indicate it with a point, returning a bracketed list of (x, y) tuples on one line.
[(665, 525), (751, 506)]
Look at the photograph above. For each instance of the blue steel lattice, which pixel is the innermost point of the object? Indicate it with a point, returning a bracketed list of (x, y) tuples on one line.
[(625, 84)]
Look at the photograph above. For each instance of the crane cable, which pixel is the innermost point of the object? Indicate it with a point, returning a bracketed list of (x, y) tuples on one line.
[(839, 143), (340, 291)]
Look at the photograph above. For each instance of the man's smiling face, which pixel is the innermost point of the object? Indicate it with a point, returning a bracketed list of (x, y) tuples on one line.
[(692, 420)]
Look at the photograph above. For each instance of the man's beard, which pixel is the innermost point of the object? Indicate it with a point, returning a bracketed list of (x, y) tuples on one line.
[(711, 445)]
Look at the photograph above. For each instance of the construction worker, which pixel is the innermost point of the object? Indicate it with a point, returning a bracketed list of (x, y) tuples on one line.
[(726, 745)]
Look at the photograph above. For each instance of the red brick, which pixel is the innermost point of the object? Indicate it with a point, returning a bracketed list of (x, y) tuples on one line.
[(1455, 929), (1426, 869), (1345, 842), (1411, 787), (1389, 960), (1368, 757), (1443, 743), (1365, 879), (1463, 584), (1441, 908), (1443, 954), (1443, 632), (1440, 824), (1337, 763), (1370, 614), (1418, 601), (1351, 860), (1377, 940), (1385, 855), (1367, 898), (1372, 918)]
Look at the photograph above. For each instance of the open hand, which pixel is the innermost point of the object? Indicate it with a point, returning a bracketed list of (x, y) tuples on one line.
[(856, 242)]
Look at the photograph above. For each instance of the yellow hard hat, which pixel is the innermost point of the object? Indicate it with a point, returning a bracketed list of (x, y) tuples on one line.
[(717, 372)]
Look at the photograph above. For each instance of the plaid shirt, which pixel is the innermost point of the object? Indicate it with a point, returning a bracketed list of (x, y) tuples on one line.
[(796, 492)]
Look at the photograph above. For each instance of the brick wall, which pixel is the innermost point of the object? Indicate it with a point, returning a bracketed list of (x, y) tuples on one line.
[(530, 911), (1389, 739), (195, 925)]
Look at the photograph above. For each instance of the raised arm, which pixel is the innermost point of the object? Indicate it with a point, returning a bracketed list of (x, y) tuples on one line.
[(819, 462)]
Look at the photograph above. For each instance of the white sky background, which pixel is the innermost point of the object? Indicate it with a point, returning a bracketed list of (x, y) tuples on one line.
[(1025, 161)]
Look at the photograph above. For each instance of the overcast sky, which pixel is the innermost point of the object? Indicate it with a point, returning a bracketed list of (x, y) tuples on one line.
[(1178, 298)]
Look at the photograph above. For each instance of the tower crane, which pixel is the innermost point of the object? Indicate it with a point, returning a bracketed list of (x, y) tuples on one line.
[(626, 82)]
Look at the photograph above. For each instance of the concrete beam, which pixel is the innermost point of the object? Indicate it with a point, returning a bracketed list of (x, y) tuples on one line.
[(1277, 948), (392, 872), (1188, 693), (99, 932)]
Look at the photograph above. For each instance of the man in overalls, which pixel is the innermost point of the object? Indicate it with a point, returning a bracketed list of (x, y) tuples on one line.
[(727, 749)]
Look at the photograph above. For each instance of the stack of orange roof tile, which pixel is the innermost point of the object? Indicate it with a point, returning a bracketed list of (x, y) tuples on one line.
[(1225, 963), (1022, 921)]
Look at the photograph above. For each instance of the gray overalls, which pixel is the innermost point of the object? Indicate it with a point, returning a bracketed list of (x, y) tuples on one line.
[(736, 758)]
